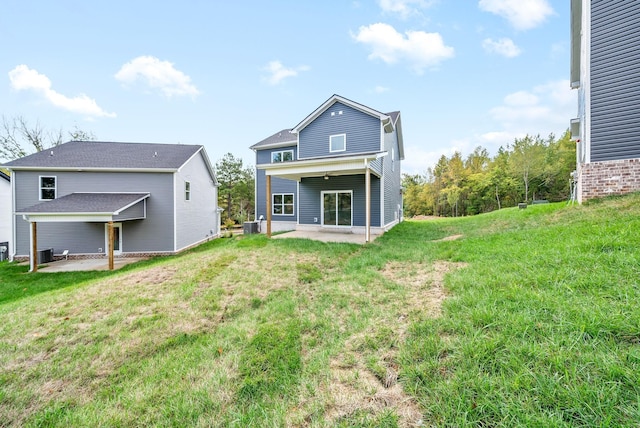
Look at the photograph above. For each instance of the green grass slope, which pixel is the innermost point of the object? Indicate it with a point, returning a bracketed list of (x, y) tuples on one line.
[(514, 318)]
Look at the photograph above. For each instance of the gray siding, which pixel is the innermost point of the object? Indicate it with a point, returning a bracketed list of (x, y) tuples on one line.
[(310, 195), (278, 185), (615, 81), (135, 212), (153, 234), (392, 179), (362, 132), (197, 218)]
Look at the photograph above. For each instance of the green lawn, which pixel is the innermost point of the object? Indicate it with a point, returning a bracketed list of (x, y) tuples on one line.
[(517, 318)]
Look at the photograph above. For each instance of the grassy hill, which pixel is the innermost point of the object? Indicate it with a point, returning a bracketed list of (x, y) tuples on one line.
[(514, 318)]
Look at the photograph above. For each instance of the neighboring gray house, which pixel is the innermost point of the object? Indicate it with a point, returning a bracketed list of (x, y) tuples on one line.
[(605, 58), (336, 170), (5, 214), (156, 199)]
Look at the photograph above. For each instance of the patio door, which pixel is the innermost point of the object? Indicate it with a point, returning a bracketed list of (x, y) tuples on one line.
[(117, 238), (337, 208)]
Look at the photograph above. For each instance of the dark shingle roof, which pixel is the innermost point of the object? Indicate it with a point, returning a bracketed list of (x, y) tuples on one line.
[(93, 154), (279, 138), (94, 203)]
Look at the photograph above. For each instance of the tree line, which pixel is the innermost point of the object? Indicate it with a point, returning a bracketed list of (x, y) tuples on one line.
[(531, 168)]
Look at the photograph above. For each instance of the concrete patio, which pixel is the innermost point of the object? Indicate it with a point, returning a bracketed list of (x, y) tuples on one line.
[(349, 238), (85, 264)]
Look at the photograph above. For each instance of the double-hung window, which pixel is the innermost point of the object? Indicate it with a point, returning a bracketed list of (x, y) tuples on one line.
[(338, 143), (282, 204), (47, 188), (282, 156), (187, 190)]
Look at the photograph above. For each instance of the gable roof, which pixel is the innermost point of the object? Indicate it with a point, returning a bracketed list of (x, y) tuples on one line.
[(108, 155), (331, 101), (279, 139)]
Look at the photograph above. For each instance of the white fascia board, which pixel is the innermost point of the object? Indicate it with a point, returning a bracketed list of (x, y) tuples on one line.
[(80, 169), (67, 217), (337, 98)]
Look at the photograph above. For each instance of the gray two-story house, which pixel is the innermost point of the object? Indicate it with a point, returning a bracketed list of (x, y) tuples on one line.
[(134, 199), (337, 170), (605, 57)]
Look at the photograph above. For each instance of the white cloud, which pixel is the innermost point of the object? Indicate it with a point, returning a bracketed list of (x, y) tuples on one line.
[(521, 14), (504, 47), (380, 89), (278, 72), (404, 8), (421, 50), (542, 110), (24, 79), (157, 74)]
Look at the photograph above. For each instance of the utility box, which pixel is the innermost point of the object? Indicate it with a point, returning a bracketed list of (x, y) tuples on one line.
[(250, 227), (45, 256), (4, 251)]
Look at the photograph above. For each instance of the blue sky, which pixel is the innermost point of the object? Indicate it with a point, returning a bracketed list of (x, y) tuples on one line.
[(226, 74)]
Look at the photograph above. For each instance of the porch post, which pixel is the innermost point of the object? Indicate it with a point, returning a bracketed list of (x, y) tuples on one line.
[(33, 257), (268, 206), (110, 244), (367, 185)]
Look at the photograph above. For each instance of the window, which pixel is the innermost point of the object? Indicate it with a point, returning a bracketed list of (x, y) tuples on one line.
[(338, 143), (187, 190), (393, 159), (47, 188), (282, 204), (282, 156)]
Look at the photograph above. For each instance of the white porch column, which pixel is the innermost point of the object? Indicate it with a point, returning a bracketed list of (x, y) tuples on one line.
[(268, 206), (367, 185)]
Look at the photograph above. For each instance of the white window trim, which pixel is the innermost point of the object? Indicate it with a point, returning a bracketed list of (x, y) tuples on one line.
[(40, 188), (282, 152), (273, 204), (187, 190), (344, 137), (350, 192)]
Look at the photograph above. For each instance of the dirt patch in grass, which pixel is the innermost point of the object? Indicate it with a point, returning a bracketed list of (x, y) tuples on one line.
[(448, 238), (364, 378)]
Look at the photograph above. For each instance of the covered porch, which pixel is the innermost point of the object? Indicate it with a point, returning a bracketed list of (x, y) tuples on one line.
[(316, 189), (107, 208)]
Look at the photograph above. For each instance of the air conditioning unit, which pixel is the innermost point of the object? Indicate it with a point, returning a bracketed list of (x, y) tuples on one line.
[(45, 256), (250, 227)]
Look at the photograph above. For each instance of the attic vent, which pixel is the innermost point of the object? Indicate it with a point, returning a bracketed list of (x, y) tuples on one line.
[(333, 113), (340, 112)]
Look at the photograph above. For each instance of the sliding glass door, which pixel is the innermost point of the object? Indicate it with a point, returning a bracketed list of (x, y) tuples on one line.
[(336, 208)]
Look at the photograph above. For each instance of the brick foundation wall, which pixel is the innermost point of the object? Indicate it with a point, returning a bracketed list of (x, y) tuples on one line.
[(599, 179)]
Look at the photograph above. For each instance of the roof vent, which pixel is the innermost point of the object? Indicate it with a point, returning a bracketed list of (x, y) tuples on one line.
[(155, 154)]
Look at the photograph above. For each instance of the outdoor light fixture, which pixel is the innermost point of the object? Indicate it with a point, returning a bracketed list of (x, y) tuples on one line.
[(326, 176)]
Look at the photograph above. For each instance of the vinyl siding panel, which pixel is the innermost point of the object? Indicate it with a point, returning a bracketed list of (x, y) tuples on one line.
[(615, 81), (197, 218), (155, 233), (362, 132), (135, 212), (392, 179), (312, 188), (278, 185), (5, 212)]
